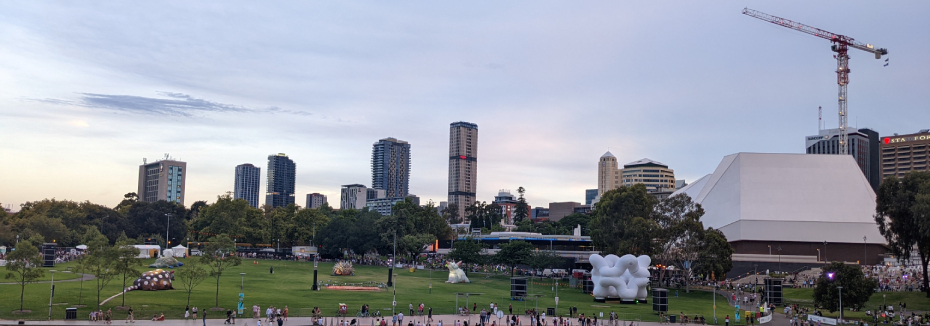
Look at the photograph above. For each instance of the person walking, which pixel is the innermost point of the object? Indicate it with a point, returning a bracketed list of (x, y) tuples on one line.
[(429, 315), (187, 312), (394, 320), (130, 318), (204, 318), (194, 311), (510, 309), (727, 320), (285, 312)]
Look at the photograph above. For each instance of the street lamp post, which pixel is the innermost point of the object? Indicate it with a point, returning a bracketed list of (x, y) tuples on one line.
[(51, 295), (865, 250), (167, 229), (825, 260), (841, 302)]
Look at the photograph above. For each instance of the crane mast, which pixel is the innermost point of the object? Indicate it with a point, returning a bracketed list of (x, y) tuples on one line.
[(841, 45)]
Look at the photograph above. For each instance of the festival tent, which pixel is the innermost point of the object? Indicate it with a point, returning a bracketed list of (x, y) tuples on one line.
[(179, 251)]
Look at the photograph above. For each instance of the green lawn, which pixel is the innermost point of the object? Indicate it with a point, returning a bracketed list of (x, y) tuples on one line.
[(290, 285), (916, 301)]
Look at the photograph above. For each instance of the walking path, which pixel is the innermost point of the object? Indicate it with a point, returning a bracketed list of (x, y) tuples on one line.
[(85, 277)]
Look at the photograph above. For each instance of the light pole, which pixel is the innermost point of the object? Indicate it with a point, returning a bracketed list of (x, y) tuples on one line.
[(779, 259), (841, 302), (825, 260), (316, 263), (865, 250), (241, 293), (818, 254), (51, 295), (167, 229)]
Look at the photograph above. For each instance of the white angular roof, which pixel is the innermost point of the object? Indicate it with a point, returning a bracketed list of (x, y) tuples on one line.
[(645, 161), (788, 197), (608, 154)]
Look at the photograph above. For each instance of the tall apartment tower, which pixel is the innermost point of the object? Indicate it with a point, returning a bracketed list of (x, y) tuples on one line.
[(315, 200), (248, 178), (162, 180), (863, 146), (608, 173), (390, 167), (463, 164), (353, 196), (281, 179)]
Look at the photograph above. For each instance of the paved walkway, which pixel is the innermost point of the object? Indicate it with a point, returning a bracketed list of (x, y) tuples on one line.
[(447, 320), (86, 277)]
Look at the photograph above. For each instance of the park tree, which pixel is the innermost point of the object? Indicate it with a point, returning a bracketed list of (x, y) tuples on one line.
[(903, 217), (567, 225), (857, 288), (126, 264), (451, 213), (219, 255), (715, 257), (467, 251), (230, 216), (23, 266), (623, 222), (306, 222), (100, 260), (540, 259), (152, 218), (522, 210), (680, 234), (412, 245), (191, 276), (514, 253)]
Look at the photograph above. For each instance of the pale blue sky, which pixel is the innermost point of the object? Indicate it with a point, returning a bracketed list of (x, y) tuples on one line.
[(87, 89)]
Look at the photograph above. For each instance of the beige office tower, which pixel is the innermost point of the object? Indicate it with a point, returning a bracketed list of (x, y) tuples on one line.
[(608, 174), (162, 180), (463, 165)]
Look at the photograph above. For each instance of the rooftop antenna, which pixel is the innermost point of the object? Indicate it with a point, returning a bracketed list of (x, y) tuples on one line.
[(819, 119), (144, 161)]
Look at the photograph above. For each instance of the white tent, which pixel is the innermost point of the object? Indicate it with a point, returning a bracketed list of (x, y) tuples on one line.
[(148, 251), (179, 251)]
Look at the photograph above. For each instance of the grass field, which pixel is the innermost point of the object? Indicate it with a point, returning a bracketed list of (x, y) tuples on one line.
[(916, 301), (290, 285)]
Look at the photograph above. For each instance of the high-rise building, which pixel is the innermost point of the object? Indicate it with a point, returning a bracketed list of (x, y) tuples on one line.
[(390, 167), (162, 180), (508, 204), (463, 164), (589, 195), (247, 182), (901, 154), (863, 146), (282, 173), (656, 176), (315, 200), (608, 175), (353, 196)]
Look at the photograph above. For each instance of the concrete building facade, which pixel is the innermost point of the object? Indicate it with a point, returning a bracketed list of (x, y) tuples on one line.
[(608, 173), (559, 210), (282, 172), (864, 146), (390, 167), (248, 179), (507, 203), (656, 176), (353, 196), (162, 180), (902, 154), (315, 200), (463, 164)]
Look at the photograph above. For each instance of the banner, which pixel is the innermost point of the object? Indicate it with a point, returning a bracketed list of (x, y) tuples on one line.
[(822, 320)]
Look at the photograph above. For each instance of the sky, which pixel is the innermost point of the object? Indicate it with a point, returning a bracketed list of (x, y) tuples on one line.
[(89, 89)]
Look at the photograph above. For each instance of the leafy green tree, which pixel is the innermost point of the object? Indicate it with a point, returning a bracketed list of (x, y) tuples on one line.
[(467, 251), (151, 219), (903, 217), (856, 287), (191, 276), (219, 255), (522, 210), (623, 222), (125, 265), (306, 222), (715, 255), (100, 260), (514, 253), (23, 266), (567, 224), (679, 236), (231, 216), (541, 259), (413, 245)]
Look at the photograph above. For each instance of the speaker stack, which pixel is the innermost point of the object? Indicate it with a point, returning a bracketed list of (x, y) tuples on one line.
[(587, 286), (772, 291), (517, 288), (660, 300), (48, 254)]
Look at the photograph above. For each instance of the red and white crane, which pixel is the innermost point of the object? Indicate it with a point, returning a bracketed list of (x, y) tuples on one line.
[(841, 45)]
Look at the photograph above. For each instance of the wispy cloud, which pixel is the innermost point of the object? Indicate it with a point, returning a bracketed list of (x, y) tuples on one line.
[(174, 104)]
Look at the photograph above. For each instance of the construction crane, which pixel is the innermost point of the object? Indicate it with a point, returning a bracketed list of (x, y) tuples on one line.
[(841, 45)]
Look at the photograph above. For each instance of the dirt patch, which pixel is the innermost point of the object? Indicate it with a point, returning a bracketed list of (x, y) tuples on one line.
[(217, 309), (22, 312)]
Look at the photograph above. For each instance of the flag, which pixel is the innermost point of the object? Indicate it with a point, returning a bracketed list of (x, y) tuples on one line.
[(886, 65), (886, 59)]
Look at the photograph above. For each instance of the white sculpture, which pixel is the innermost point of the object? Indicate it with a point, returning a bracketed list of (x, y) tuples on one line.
[(456, 274), (624, 277)]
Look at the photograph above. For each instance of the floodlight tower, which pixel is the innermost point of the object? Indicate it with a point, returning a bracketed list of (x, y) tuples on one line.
[(841, 45)]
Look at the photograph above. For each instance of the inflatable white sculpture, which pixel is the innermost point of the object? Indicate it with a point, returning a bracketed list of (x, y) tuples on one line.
[(624, 277), (456, 274)]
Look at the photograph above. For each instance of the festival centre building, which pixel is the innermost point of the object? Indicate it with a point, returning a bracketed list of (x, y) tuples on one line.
[(789, 211)]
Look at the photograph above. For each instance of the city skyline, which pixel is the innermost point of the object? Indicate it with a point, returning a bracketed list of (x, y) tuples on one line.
[(553, 88)]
